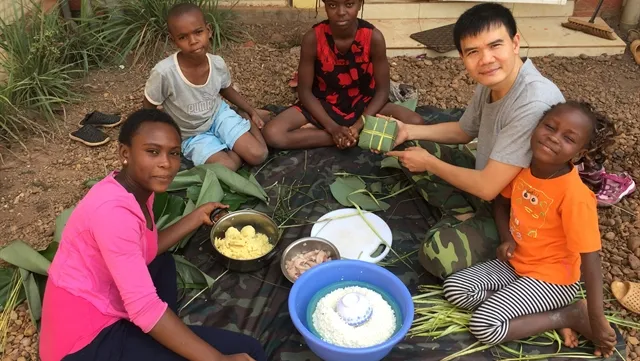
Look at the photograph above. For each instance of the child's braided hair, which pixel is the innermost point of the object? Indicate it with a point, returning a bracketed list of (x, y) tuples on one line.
[(604, 131)]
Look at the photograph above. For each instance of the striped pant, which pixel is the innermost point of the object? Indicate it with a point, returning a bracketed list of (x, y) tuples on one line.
[(514, 297)]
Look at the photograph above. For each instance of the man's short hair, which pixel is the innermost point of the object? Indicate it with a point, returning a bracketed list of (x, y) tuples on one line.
[(483, 17)]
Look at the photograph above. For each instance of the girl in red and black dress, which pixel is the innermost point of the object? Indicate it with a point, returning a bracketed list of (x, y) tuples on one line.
[(343, 74)]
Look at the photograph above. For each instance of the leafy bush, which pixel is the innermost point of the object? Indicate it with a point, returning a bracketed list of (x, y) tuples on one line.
[(139, 27), (42, 54)]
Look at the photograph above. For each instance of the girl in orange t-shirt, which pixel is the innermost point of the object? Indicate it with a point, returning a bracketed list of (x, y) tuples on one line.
[(548, 223)]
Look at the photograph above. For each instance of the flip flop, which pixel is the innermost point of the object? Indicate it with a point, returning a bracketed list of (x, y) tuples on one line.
[(98, 119), (627, 294), (90, 136), (635, 50)]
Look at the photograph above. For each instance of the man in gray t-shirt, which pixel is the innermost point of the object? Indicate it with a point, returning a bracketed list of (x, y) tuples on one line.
[(507, 105)]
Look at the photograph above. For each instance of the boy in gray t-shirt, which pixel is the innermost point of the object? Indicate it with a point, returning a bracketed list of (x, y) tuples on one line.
[(190, 85), (507, 105)]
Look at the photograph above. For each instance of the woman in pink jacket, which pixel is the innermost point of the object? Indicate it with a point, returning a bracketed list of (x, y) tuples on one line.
[(112, 293)]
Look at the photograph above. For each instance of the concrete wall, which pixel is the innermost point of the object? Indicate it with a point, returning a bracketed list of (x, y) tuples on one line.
[(7, 9), (587, 7)]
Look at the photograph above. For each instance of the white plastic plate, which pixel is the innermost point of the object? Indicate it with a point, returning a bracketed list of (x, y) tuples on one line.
[(351, 235)]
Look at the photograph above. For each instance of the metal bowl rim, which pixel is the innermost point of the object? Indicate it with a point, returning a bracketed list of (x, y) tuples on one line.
[(236, 213), (299, 241)]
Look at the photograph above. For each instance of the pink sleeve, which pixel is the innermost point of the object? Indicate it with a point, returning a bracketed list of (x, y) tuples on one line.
[(122, 249)]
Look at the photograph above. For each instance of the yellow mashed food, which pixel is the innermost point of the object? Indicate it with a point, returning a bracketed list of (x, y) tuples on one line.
[(243, 244)]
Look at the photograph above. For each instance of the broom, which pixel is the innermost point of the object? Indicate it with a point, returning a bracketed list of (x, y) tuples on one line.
[(594, 26)]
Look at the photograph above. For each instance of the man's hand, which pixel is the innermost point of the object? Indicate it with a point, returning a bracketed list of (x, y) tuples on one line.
[(256, 119), (604, 337), (342, 136), (402, 135), (205, 211), (415, 159), (505, 250)]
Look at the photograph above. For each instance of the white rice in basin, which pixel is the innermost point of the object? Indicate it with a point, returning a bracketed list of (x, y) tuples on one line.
[(334, 330)]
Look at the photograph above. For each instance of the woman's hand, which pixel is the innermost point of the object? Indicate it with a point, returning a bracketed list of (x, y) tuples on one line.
[(204, 211), (604, 337), (415, 159), (505, 250), (342, 136)]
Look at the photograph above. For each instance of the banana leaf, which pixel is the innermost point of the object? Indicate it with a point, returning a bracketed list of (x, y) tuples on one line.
[(6, 285), (390, 162), (353, 189), (22, 256), (410, 104), (234, 200), (193, 192), (50, 251), (167, 209), (61, 221), (34, 285), (189, 276), (211, 191), (187, 209)]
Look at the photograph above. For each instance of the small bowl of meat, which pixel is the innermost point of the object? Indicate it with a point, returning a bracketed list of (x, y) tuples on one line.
[(305, 253)]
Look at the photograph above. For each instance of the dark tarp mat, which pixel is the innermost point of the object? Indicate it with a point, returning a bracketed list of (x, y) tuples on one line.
[(256, 303)]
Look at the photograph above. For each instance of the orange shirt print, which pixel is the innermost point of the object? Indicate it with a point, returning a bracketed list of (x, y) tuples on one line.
[(535, 203), (552, 222)]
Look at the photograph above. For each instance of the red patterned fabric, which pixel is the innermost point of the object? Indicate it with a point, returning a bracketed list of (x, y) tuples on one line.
[(343, 82)]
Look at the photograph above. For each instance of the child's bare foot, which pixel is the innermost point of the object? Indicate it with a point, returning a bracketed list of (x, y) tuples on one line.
[(578, 317), (569, 336)]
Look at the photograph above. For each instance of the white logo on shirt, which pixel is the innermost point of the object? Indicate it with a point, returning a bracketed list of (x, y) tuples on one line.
[(202, 106)]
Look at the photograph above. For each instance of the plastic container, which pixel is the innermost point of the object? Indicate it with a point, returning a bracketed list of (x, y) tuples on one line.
[(321, 276)]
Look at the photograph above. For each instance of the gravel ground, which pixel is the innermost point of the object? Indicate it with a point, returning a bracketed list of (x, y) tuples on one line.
[(36, 185)]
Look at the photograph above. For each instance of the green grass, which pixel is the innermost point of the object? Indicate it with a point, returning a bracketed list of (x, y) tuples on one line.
[(138, 27), (43, 55)]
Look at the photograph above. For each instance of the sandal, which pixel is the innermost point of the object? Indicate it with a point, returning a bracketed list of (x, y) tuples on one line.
[(589, 175), (90, 136), (635, 50), (98, 119), (627, 294), (614, 188), (293, 82)]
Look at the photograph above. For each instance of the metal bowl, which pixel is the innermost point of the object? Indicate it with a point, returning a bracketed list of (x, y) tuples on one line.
[(262, 224), (305, 245)]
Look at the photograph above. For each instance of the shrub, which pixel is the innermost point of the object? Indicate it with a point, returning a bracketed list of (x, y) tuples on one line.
[(138, 27), (41, 55)]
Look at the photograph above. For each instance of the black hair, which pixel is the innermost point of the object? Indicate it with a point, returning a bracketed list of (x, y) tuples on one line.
[(483, 17), (361, 9), (181, 9), (135, 120)]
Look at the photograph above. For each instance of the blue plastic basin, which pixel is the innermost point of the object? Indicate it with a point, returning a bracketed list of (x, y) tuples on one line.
[(328, 273)]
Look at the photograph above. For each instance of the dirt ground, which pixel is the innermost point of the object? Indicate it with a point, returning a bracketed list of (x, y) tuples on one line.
[(36, 185)]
